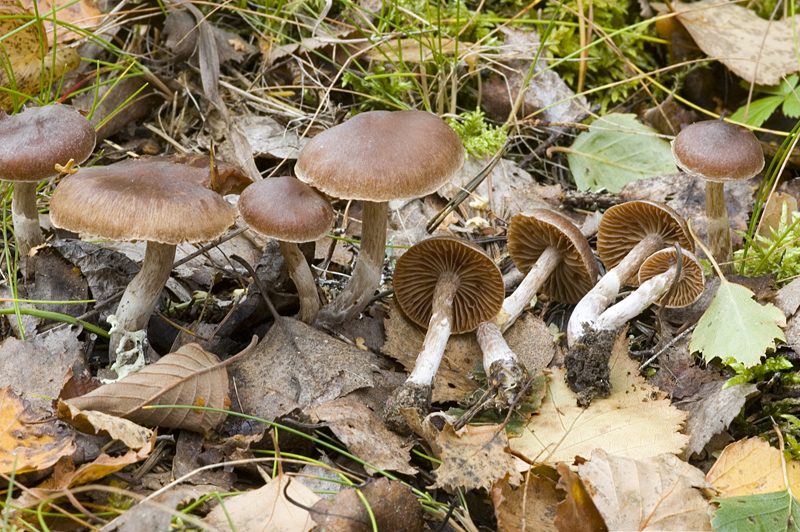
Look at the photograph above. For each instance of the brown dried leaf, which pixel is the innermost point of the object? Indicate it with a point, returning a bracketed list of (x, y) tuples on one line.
[(751, 467), (658, 493), (713, 413), (83, 14), (25, 443), (531, 506), (577, 512), (735, 36), (98, 423), (190, 376), (365, 435), (393, 504)]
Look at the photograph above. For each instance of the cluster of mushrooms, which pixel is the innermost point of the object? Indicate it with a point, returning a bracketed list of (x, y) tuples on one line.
[(447, 285)]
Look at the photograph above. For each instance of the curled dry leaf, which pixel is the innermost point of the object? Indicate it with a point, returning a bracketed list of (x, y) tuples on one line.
[(98, 423), (577, 512), (26, 444), (532, 506), (191, 376)]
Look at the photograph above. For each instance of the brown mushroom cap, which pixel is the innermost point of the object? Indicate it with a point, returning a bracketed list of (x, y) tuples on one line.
[(625, 225), (691, 283), (718, 151), (381, 156), (287, 209), (33, 141), (141, 200), (530, 234), (480, 284)]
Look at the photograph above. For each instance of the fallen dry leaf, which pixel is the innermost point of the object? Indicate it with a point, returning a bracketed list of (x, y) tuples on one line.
[(190, 376), (26, 443), (83, 14), (98, 423), (577, 512), (531, 506), (713, 413), (658, 493), (267, 509), (635, 421), (750, 467), (394, 506), (365, 435), (735, 36)]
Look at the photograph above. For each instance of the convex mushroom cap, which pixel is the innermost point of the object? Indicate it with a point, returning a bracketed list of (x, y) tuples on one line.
[(718, 151), (691, 283), (530, 234), (479, 294)]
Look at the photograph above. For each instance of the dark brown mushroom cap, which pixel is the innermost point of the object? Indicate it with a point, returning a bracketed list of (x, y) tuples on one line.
[(287, 209), (381, 156), (625, 225), (691, 283), (33, 141), (141, 200), (480, 284), (530, 234), (718, 151)]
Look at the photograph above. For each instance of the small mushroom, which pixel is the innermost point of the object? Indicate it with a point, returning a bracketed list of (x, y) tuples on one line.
[(449, 286), (32, 143), (718, 152), (157, 201), (376, 157), (628, 234), (290, 211), (656, 278)]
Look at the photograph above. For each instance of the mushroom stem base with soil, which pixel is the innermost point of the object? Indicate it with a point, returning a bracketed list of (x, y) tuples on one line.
[(25, 217), (303, 279), (500, 363), (416, 392), (368, 271), (141, 296), (718, 227)]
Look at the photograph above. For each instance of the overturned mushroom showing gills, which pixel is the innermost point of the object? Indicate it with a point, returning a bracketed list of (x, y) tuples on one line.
[(628, 234), (449, 286), (32, 142), (656, 277), (156, 201), (376, 157), (718, 152), (290, 211)]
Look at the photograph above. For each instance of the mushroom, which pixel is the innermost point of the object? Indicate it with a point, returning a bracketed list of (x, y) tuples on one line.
[(157, 201), (290, 211), (376, 157), (657, 275), (449, 286), (718, 152), (556, 258), (628, 234), (32, 143)]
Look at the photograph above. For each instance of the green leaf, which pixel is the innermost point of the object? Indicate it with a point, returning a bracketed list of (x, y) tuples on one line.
[(765, 512), (736, 326), (759, 111), (791, 106), (615, 151)]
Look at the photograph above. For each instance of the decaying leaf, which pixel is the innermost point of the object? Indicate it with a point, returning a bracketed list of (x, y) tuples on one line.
[(83, 14), (735, 36), (98, 423), (394, 506), (658, 493), (365, 435), (269, 138), (532, 505), (190, 376), (577, 512), (736, 326), (26, 443), (752, 466), (635, 421), (267, 509), (713, 413)]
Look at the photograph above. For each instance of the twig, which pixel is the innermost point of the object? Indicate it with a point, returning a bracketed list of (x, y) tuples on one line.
[(670, 344)]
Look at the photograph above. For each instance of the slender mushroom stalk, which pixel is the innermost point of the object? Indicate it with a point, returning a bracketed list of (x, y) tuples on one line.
[(292, 212), (658, 274), (450, 286), (377, 157), (25, 217), (718, 152), (628, 234)]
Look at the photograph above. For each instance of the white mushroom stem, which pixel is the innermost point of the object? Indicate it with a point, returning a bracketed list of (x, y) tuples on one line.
[(599, 298), (25, 217), (718, 227), (514, 304), (367, 273), (648, 293), (141, 295), (439, 327), (300, 273)]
